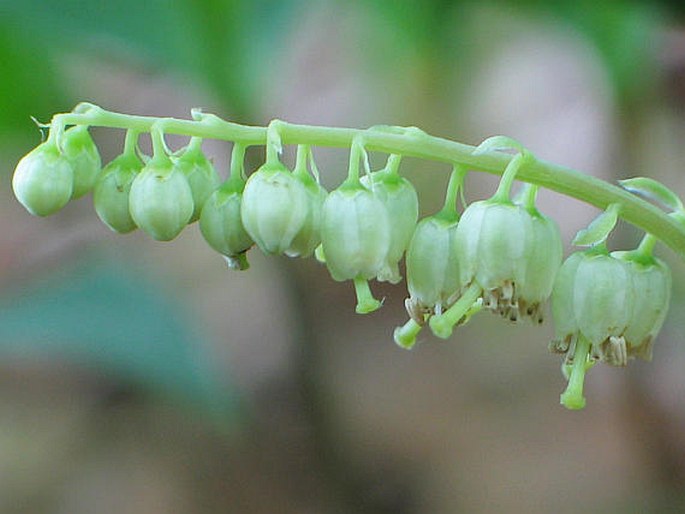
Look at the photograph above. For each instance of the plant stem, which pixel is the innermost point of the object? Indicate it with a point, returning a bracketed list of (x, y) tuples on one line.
[(449, 208), (557, 178)]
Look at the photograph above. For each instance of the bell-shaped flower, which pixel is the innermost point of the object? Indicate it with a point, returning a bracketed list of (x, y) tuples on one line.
[(510, 253), (593, 297), (592, 304), (81, 152), (43, 180), (160, 201), (112, 191), (355, 234), (432, 275), (402, 203), (308, 238), (651, 279), (274, 207), (200, 173), (432, 266), (221, 223)]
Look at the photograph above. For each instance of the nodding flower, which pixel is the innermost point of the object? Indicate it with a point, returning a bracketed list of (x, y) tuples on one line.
[(608, 308)]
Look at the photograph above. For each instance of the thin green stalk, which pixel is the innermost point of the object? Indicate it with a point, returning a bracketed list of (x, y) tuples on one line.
[(557, 178), (130, 142), (449, 208), (238, 161)]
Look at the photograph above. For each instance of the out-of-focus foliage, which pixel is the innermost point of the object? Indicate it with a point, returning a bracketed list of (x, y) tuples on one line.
[(99, 315), (228, 44), (28, 81)]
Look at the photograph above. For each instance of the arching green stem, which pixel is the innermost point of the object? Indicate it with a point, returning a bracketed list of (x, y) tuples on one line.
[(592, 190)]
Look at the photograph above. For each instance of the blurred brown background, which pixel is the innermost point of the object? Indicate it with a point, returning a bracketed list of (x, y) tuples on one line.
[(141, 377)]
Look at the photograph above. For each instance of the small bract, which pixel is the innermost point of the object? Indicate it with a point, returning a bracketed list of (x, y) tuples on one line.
[(161, 202), (112, 190), (275, 207), (221, 224), (43, 180), (84, 157)]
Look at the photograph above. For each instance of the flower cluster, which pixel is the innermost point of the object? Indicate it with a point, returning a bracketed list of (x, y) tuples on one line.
[(500, 254)]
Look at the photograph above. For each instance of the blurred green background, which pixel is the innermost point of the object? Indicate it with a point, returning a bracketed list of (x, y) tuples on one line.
[(144, 377)]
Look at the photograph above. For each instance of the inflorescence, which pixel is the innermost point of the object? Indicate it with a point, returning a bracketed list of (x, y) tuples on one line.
[(500, 254)]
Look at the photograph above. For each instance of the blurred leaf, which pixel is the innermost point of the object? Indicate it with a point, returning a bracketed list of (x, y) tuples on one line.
[(97, 315), (228, 44), (28, 82), (625, 34)]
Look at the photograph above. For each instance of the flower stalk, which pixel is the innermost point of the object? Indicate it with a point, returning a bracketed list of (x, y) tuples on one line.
[(408, 143)]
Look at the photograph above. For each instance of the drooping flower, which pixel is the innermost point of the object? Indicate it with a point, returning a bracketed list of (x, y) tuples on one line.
[(355, 234), (432, 265), (43, 180), (200, 173), (401, 201), (160, 201), (508, 256), (80, 150)]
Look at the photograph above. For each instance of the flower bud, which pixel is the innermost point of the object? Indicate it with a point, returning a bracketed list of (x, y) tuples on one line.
[(202, 177), (221, 224), (82, 154), (399, 198), (112, 190), (355, 233), (161, 202), (309, 236), (43, 180), (274, 207)]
